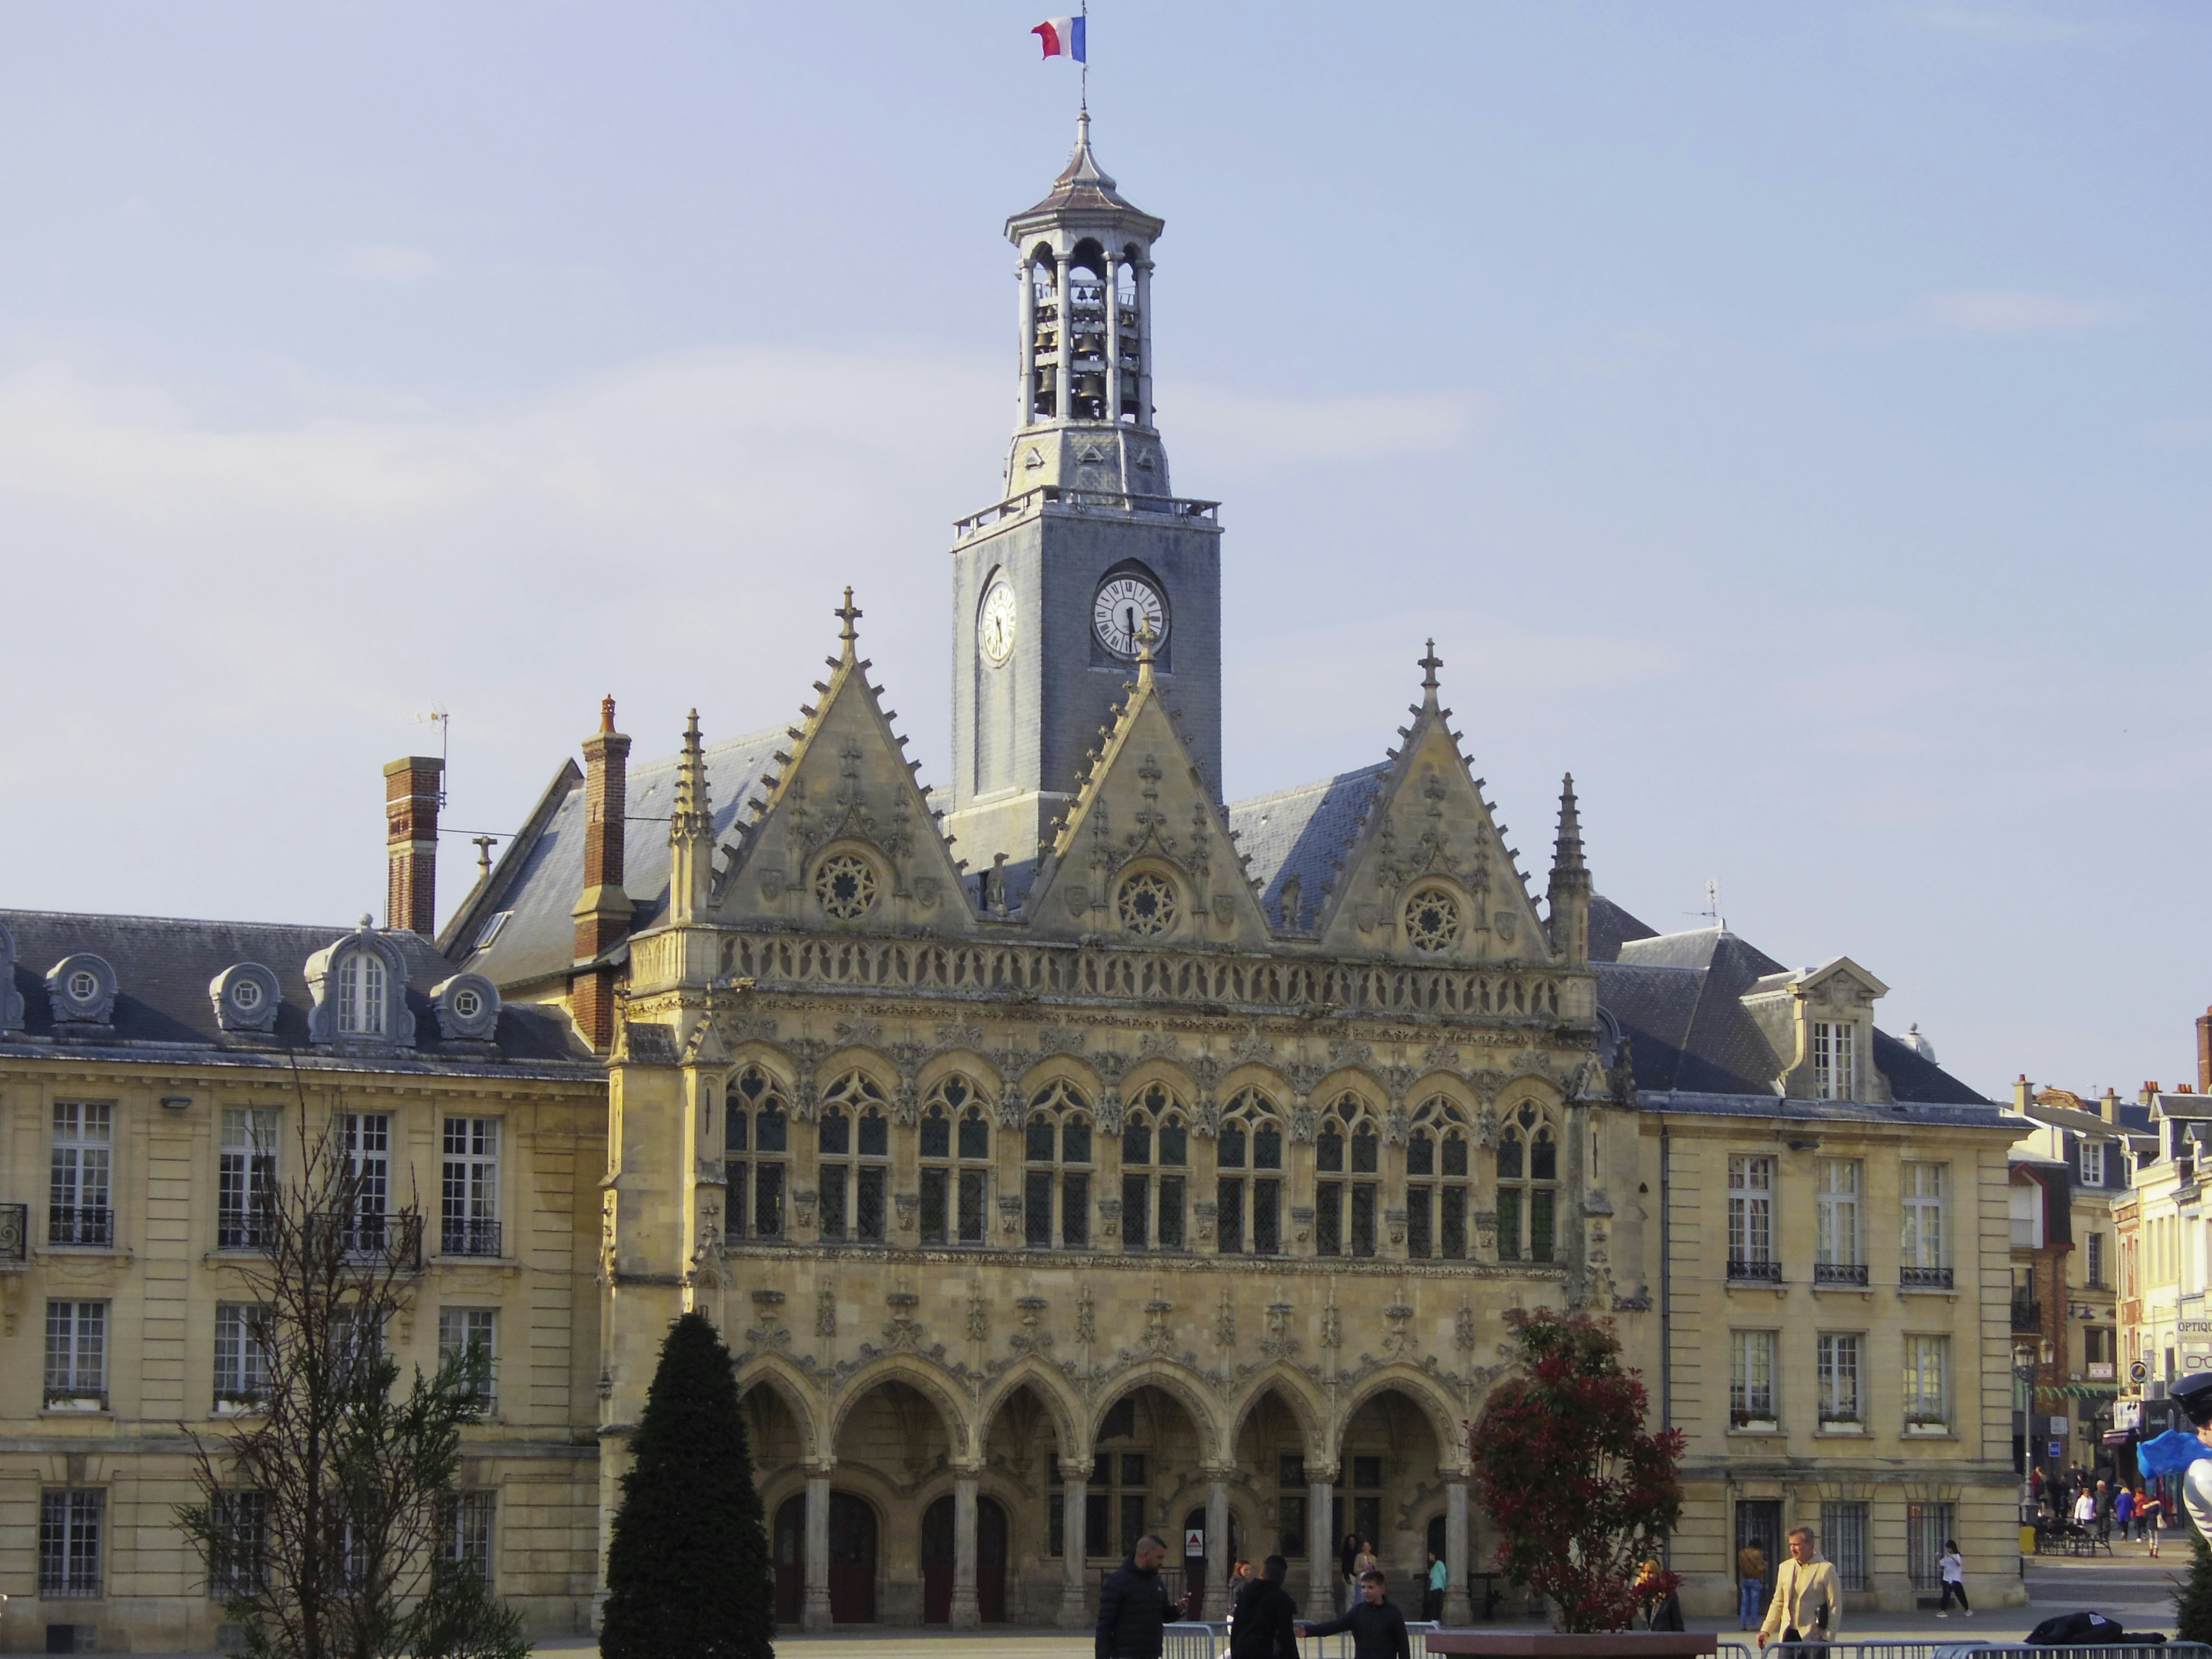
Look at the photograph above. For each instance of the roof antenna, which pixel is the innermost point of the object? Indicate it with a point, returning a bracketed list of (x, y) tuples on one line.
[(1713, 903), (436, 716)]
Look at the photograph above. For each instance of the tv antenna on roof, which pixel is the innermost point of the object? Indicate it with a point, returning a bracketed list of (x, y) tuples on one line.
[(436, 716), (1713, 903)]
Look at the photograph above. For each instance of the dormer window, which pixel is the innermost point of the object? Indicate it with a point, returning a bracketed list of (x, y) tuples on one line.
[(361, 996), (2093, 1162), (1835, 1060)]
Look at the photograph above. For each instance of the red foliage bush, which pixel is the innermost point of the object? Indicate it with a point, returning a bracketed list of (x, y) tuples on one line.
[(1580, 1494)]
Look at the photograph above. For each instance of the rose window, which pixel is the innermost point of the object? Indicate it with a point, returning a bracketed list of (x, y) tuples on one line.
[(1432, 920), (845, 885), (1147, 904)]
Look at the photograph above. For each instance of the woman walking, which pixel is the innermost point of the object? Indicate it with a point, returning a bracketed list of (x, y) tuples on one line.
[(1953, 1567), (2155, 1520)]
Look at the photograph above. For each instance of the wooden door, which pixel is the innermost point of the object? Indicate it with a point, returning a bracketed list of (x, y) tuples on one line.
[(789, 1548), (852, 1560), (939, 1553), (990, 1562)]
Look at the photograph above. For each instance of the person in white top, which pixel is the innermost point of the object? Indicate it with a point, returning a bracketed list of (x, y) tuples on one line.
[(2085, 1509), (1953, 1569)]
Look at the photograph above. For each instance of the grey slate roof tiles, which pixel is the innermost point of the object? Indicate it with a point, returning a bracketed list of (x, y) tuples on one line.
[(1302, 832), (163, 966)]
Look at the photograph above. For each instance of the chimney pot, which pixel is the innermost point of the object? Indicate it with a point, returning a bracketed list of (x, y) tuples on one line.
[(410, 843)]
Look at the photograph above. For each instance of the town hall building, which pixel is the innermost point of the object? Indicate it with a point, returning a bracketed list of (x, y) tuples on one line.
[(1073, 1154)]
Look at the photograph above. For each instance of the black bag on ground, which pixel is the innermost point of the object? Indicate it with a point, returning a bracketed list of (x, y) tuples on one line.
[(2086, 1630)]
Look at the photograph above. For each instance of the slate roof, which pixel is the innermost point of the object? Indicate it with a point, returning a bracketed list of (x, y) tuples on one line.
[(541, 875), (163, 966), (1083, 186), (1303, 832), (1678, 998)]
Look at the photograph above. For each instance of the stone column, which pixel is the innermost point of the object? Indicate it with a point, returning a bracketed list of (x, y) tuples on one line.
[(1321, 1545), (1027, 404), (1113, 303), (1075, 1549), (1217, 1547), (964, 1610), (1144, 342), (1064, 359), (1457, 1610), (816, 1614)]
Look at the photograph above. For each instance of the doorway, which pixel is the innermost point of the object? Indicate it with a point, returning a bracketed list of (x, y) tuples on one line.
[(852, 1560), (1758, 1520), (940, 1562), (1194, 1566)]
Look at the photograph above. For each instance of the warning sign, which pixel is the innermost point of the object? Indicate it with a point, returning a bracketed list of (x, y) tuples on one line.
[(1193, 1540)]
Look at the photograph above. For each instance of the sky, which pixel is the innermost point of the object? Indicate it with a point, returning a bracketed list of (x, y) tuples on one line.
[(1796, 422)]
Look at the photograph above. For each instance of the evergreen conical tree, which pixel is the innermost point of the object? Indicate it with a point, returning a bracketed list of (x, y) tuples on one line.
[(688, 1569), (2192, 1596)]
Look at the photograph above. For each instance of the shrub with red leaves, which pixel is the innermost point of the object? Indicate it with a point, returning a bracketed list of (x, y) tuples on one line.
[(1580, 1494)]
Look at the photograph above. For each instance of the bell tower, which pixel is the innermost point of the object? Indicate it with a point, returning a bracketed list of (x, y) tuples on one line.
[(1088, 546)]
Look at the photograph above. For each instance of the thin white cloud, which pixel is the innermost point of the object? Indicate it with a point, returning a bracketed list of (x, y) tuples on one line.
[(384, 262), (1988, 24), (2003, 312)]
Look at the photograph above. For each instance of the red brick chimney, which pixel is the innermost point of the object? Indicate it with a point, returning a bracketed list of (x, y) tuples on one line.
[(410, 843), (2204, 1052), (603, 911)]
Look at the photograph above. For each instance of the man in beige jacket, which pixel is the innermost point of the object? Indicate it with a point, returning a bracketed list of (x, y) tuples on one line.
[(1809, 1604)]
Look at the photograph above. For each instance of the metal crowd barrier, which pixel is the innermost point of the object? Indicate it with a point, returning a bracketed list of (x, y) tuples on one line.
[(1955, 1650), (1209, 1639)]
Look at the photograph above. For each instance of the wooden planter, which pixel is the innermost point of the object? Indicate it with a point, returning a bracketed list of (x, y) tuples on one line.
[(1553, 1645)]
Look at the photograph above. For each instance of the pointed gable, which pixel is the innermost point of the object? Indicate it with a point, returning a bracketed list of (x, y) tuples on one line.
[(1144, 853), (1428, 877), (843, 834)]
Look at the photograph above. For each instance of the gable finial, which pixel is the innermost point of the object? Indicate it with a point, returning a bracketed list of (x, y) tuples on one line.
[(1147, 637), (848, 613), (1429, 665)]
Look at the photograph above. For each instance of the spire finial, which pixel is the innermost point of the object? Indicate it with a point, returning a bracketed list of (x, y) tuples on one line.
[(1429, 665), (1147, 637), (1567, 853), (691, 815), (484, 844), (848, 613), (607, 713)]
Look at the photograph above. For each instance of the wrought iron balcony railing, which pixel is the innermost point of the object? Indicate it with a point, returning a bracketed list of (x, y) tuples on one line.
[(80, 1223), (2027, 1313), (1755, 1273), (15, 1234), (460, 1236), (1924, 1279), (1839, 1272), (397, 1239)]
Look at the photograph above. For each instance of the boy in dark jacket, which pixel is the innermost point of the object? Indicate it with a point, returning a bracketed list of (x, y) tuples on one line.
[(1132, 1605), (1378, 1629), (1264, 1618)]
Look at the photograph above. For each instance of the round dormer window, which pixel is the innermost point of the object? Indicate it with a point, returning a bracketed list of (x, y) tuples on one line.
[(83, 985), (1432, 920), (468, 1003), (245, 994)]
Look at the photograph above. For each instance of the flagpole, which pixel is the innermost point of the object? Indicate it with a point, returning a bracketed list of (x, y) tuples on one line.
[(1084, 96)]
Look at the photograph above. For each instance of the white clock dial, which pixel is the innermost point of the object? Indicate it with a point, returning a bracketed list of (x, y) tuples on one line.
[(996, 631), (1123, 607)]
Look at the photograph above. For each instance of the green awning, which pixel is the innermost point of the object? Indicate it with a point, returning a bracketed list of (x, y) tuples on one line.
[(2083, 1391)]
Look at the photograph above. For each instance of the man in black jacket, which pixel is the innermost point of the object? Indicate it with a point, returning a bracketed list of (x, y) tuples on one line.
[(1379, 1629), (1132, 1605), (1264, 1619)]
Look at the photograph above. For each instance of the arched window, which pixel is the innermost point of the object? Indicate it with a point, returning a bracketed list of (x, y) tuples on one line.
[(1248, 1192), (1528, 1186), (1056, 1153), (1155, 1154), (956, 1164), (1436, 1181), (360, 995), (855, 1148), (1347, 1156), (756, 1127)]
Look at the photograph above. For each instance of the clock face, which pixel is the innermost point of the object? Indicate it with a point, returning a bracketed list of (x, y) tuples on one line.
[(1124, 606), (996, 631)]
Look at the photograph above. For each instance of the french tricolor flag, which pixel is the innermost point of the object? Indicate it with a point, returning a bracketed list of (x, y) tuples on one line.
[(1062, 37)]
